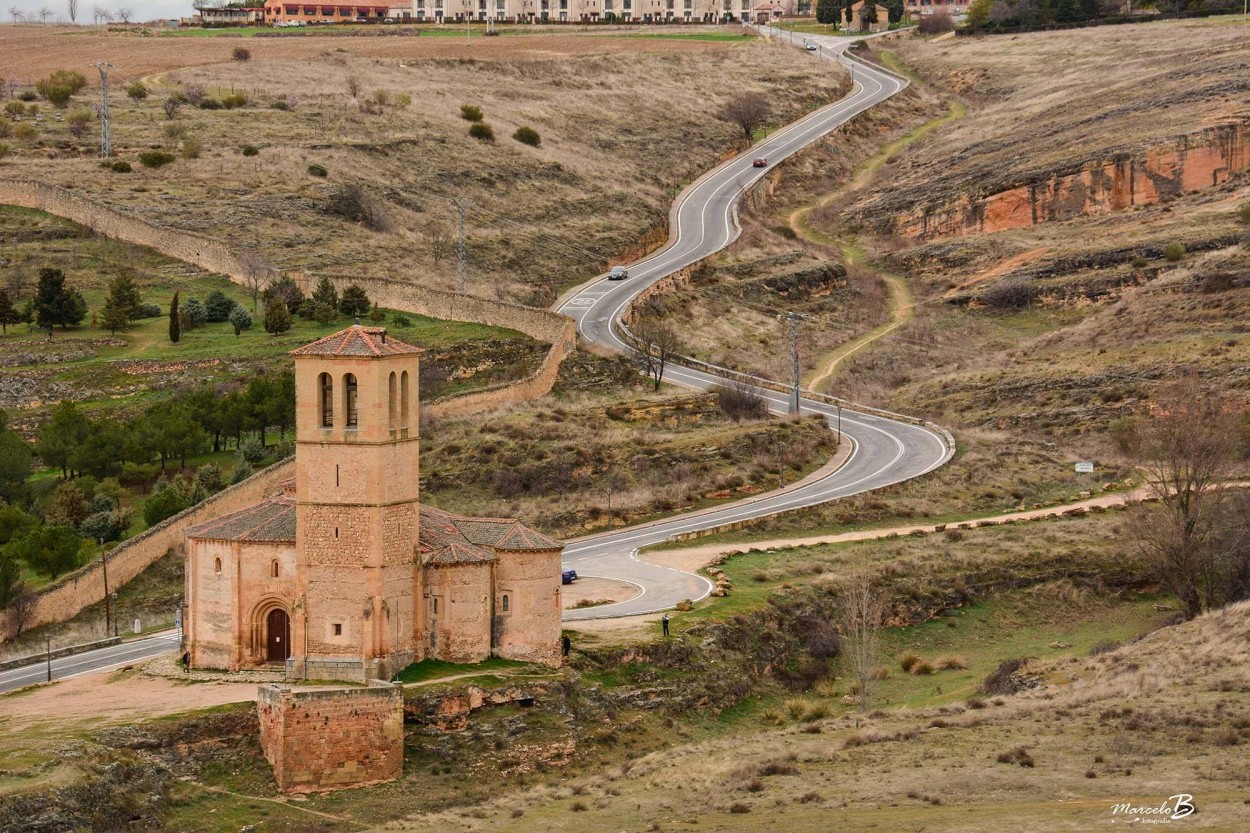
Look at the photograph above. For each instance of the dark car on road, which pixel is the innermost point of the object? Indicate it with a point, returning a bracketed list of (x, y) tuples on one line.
[(761, 162), (568, 577), (618, 273)]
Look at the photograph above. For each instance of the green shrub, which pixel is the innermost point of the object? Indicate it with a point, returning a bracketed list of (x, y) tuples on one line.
[(318, 170), (1174, 252), (250, 150), (241, 53), (27, 95), (1243, 213), (61, 85), (121, 166), (922, 668), (234, 100), (381, 98), (280, 104), (5, 150), (470, 112), (15, 108), (58, 95), (209, 103), (1138, 262), (527, 136), (191, 148), (138, 91), (482, 131), (402, 100), (155, 158)]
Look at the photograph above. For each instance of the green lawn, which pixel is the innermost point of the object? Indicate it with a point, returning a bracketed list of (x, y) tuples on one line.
[(434, 669)]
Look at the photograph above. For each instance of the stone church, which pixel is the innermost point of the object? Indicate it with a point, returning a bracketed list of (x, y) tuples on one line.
[(345, 575)]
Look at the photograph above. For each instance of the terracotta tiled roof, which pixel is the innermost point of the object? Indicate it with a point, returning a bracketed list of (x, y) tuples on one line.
[(273, 520), (356, 341), (444, 538)]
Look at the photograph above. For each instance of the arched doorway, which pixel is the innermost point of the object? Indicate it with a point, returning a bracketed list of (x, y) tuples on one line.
[(277, 635)]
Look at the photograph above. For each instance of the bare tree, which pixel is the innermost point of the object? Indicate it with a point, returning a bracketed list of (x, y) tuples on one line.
[(15, 11), (863, 614), (1187, 446), (45, 12), (657, 344), (71, 6), (100, 15), (124, 13), (353, 86), (441, 245), (748, 111), (256, 274), (22, 608)]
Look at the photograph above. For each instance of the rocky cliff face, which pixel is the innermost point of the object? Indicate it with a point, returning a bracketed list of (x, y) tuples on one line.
[(1188, 163)]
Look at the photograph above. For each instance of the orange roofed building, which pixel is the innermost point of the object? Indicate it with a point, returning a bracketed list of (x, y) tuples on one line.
[(345, 576)]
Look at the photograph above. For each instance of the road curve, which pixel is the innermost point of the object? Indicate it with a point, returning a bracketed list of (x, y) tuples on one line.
[(702, 222)]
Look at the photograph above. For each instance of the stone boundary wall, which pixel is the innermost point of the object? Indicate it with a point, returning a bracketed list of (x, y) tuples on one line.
[(327, 739), (542, 325), (67, 596)]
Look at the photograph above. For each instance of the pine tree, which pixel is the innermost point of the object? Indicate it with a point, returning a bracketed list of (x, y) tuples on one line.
[(325, 293), (826, 11), (277, 316), (8, 315), (175, 322), (55, 303), (124, 295)]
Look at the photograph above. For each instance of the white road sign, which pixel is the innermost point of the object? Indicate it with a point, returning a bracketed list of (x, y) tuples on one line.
[(1084, 468)]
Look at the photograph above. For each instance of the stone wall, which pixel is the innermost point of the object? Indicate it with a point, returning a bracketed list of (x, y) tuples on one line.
[(67, 596), (1187, 163), (326, 739)]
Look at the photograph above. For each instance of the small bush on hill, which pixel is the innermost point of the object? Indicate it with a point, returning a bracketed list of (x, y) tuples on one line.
[(936, 23), (527, 136), (250, 150), (155, 158), (234, 100), (482, 131), (138, 91), (1138, 262), (318, 170), (908, 661), (1243, 213), (1019, 755), (241, 53), (470, 112), (1174, 252)]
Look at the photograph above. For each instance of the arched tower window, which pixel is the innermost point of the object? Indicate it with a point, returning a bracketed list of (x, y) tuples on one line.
[(349, 401), (403, 400), (273, 568), (393, 403), (216, 565), (326, 387), (507, 603)]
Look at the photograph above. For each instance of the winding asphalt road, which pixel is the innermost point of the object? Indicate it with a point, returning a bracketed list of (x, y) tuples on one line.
[(703, 221)]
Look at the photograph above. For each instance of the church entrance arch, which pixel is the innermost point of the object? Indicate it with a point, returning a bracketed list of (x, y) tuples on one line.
[(277, 635)]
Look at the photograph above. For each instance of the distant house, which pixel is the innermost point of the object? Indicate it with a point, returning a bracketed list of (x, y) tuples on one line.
[(232, 15), (277, 11), (924, 8), (767, 12), (858, 23), (401, 10)]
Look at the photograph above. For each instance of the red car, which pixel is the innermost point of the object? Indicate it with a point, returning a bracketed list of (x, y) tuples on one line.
[(762, 162)]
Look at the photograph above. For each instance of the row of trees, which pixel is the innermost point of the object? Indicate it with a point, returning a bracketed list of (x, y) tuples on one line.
[(188, 423), (1029, 14), (45, 13)]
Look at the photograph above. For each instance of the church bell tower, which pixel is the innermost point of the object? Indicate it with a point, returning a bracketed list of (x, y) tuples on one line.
[(356, 469)]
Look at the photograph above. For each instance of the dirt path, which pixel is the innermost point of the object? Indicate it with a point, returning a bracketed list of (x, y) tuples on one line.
[(693, 558), (97, 699), (902, 304)]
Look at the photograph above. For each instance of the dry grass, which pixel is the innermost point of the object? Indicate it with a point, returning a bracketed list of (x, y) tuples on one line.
[(540, 219)]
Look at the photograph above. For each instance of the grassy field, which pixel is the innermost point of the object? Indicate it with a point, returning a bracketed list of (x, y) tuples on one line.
[(125, 370)]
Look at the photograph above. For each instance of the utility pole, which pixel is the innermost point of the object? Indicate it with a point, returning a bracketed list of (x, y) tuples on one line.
[(108, 614), (462, 255), (106, 144), (793, 318), (47, 650)]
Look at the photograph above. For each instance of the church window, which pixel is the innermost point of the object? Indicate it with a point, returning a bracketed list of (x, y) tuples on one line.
[(326, 386), (349, 400), (217, 565), (336, 533), (403, 400), (393, 402), (273, 568), (507, 604), (338, 628)]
